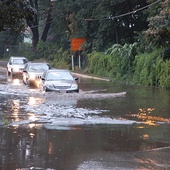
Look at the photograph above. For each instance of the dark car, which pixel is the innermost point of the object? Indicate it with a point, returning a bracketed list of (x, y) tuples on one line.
[(16, 65), (33, 72), (59, 80)]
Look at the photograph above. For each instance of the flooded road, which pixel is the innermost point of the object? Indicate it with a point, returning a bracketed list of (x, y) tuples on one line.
[(107, 126)]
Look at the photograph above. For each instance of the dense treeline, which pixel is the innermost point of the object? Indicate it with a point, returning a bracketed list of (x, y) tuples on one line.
[(125, 39)]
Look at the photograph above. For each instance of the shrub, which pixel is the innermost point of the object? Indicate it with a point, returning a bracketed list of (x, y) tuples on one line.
[(123, 63), (152, 70)]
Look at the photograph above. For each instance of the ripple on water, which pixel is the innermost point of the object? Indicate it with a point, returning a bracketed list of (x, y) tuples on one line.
[(56, 109)]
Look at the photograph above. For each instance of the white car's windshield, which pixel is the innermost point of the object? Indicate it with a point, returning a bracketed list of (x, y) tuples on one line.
[(59, 76), (18, 61)]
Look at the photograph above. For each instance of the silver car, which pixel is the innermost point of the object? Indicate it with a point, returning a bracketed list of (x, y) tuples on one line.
[(32, 72), (16, 65), (59, 80)]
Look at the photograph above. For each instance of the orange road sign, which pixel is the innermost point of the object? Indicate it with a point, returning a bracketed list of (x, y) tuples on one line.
[(77, 44)]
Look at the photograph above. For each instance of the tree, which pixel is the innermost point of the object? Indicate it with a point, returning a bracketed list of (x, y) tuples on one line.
[(42, 20), (13, 13), (13, 16), (108, 22), (99, 21), (159, 26), (102, 22)]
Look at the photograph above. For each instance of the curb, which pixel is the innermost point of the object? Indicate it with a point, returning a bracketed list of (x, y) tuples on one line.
[(91, 77)]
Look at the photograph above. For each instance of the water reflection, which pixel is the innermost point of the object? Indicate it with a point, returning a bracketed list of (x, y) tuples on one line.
[(16, 113), (32, 117), (14, 81), (14, 107), (34, 147), (145, 116), (145, 136), (35, 101)]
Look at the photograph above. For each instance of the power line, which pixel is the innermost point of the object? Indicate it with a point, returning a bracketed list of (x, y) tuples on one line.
[(108, 18), (122, 15)]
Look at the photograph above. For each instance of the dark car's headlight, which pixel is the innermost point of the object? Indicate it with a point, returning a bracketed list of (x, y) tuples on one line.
[(74, 86)]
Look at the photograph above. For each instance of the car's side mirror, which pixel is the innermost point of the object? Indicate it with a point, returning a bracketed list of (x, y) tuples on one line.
[(76, 78), (25, 61), (49, 66)]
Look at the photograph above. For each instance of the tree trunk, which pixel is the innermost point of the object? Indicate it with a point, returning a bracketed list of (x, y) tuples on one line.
[(35, 37), (34, 26), (47, 25)]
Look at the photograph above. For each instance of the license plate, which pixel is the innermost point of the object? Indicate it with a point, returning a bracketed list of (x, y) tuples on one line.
[(62, 91)]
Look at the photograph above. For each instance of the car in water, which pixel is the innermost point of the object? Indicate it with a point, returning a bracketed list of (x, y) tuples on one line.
[(33, 72), (59, 80), (16, 65)]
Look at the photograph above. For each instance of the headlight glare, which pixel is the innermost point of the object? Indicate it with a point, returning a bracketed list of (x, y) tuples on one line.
[(32, 76)]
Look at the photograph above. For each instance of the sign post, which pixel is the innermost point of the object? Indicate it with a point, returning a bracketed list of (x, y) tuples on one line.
[(72, 62), (79, 61), (77, 45)]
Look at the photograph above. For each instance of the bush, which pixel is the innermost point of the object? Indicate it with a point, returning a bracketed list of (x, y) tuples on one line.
[(123, 63), (98, 64), (116, 63), (152, 70), (56, 57)]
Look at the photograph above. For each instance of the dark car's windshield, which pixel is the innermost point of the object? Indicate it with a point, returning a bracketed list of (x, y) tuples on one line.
[(38, 67), (59, 76)]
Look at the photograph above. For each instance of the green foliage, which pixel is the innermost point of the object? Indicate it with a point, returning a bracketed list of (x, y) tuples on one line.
[(152, 70), (45, 50), (61, 60), (56, 57), (122, 58), (117, 63), (123, 63), (14, 13), (164, 74), (98, 63), (145, 69), (159, 26), (96, 20)]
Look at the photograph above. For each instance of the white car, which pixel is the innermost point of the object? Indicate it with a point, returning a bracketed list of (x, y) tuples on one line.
[(32, 72), (16, 65)]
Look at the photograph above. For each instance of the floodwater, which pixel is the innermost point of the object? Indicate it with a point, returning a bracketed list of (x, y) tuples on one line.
[(107, 126)]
